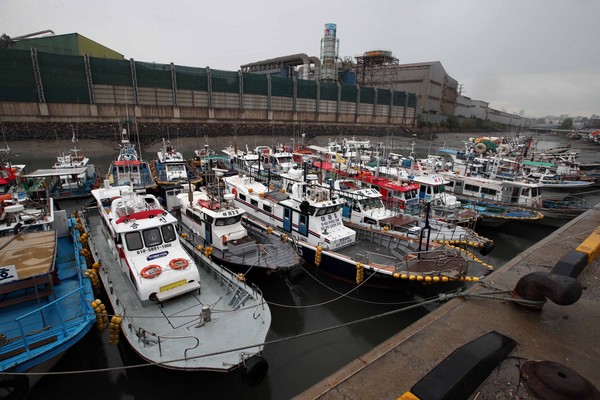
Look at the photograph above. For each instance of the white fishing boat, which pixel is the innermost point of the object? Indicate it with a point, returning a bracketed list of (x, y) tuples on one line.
[(180, 310), (217, 224), (277, 160), (365, 207), (242, 160), (311, 217), (170, 167), (30, 209)]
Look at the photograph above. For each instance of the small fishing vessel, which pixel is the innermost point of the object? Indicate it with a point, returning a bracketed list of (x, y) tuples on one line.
[(179, 309), (496, 201), (170, 168), (25, 206), (128, 168), (241, 160), (69, 182), (74, 176), (311, 217), (277, 160), (217, 223), (365, 207), (45, 300)]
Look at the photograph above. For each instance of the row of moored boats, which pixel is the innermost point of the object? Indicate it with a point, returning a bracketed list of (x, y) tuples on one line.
[(180, 246)]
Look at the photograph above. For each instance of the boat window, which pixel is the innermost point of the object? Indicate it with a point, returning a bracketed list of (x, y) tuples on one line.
[(152, 237), (525, 191), (134, 241), (267, 208), (311, 210), (321, 211), (242, 196), (411, 194), (208, 219), (472, 188), (331, 210), (168, 232), (254, 202), (535, 192), (489, 191), (228, 221), (450, 183)]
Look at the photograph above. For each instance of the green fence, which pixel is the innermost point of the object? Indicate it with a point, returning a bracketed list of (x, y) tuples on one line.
[(16, 76), (64, 80)]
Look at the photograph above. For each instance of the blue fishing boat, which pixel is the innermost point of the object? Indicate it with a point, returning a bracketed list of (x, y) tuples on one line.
[(45, 300), (129, 169)]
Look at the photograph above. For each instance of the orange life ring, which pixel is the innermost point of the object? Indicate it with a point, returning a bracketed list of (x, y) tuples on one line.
[(178, 263), (151, 271), (234, 191)]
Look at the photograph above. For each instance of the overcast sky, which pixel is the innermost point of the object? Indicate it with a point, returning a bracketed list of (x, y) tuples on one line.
[(536, 57)]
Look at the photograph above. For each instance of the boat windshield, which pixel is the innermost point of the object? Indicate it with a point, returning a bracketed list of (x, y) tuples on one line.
[(228, 221), (327, 210), (373, 203), (151, 237)]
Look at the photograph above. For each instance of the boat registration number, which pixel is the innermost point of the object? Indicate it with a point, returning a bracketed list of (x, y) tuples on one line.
[(172, 285)]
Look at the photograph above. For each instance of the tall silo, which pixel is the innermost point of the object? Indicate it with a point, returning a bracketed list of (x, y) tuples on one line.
[(329, 53)]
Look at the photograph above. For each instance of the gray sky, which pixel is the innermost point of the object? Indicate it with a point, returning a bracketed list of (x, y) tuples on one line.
[(539, 57)]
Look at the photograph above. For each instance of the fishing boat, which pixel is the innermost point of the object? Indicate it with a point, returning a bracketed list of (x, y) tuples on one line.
[(171, 169), (45, 300), (74, 176), (557, 187), (205, 158), (179, 309), (241, 160), (128, 168), (365, 207), (25, 206), (277, 160), (217, 223), (68, 182), (496, 201), (311, 217), (399, 194)]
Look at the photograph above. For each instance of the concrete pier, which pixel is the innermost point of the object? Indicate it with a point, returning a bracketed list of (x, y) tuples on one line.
[(569, 335)]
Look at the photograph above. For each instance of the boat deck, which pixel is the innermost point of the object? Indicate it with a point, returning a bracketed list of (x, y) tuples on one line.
[(396, 253)]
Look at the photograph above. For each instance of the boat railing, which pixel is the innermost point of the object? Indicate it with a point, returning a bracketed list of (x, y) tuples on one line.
[(368, 257), (47, 318), (145, 337), (220, 274)]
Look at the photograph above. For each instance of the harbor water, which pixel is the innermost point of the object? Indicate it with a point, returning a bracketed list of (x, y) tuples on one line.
[(300, 349)]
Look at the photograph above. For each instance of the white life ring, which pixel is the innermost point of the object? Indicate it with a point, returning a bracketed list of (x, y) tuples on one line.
[(480, 148), (504, 150)]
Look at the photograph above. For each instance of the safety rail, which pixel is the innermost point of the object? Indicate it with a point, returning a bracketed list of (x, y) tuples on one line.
[(50, 316)]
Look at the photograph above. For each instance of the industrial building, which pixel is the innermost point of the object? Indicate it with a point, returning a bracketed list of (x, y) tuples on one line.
[(72, 44), (437, 92)]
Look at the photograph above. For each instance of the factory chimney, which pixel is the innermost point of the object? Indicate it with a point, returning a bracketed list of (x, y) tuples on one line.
[(329, 54)]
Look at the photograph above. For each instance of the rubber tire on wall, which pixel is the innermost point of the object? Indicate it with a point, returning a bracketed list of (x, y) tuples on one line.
[(255, 370)]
